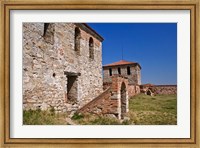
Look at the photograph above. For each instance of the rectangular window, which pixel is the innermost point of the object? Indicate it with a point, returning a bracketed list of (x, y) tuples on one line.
[(77, 38), (128, 70), (110, 71), (119, 70)]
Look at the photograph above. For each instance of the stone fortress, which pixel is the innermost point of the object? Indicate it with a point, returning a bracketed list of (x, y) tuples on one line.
[(62, 69), (62, 65)]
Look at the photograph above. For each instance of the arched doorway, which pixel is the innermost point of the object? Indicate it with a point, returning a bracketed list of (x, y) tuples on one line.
[(123, 100)]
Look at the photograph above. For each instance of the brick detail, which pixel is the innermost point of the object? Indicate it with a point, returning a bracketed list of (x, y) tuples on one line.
[(111, 101), (101, 104)]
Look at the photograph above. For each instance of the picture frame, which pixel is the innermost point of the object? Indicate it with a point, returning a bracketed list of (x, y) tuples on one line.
[(6, 6)]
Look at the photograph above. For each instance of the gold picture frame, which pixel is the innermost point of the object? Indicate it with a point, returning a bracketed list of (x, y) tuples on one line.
[(7, 5)]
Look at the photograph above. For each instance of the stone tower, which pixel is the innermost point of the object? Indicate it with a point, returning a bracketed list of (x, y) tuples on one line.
[(131, 70), (62, 65)]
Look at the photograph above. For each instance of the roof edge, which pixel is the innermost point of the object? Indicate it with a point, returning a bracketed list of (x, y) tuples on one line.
[(88, 29), (122, 65)]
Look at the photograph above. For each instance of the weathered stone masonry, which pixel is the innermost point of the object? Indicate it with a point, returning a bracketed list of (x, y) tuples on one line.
[(165, 89), (113, 101), (130, 70), (62, 65), (159, 89)]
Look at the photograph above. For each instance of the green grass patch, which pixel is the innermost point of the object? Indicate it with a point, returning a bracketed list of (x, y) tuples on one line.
[(77, 116), (104, 121), (38, 117), (91, 119), (143, 110), (153, 110)]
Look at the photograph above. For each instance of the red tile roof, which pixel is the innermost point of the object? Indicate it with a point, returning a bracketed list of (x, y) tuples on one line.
[(121, 62)]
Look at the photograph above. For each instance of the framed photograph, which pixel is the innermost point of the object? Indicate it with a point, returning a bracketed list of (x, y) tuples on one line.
[(99, 72)]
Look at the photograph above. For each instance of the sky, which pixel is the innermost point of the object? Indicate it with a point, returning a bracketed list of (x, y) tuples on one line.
[(152, 45)]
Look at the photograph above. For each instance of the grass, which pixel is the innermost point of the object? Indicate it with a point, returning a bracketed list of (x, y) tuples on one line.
[(153, 110), (91, 119), (143, 110), (38, 117)]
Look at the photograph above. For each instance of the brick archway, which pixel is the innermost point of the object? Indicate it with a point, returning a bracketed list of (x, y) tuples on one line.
[(120, 93), (114, 100)]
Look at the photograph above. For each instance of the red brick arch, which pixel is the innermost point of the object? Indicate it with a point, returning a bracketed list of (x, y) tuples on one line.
[(120, 89), (114, 100), (117, 81)]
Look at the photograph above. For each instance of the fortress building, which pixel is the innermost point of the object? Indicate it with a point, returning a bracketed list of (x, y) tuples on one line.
[(131, 70), (62, 65), (62, 69)]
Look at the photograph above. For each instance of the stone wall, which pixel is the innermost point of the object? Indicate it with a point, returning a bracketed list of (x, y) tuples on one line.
[(50, 62), (133, 90), (159, 89), (165, 89), (113, 101), (134, 78)]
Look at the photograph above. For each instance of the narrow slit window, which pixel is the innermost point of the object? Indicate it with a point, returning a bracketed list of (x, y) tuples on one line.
[(128, 70), (77, 40), (91, 48), (110, 71), (119, 70)]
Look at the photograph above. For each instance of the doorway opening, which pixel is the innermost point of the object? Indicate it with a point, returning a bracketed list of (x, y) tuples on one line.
[(72, 87)]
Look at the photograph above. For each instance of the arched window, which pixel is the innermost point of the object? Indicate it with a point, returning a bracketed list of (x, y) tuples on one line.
[(77, 38), (128, 70), (119, 70), (91, 48), (110, 71)]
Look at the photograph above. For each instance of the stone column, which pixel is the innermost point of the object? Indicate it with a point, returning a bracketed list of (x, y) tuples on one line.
[(116, 93)]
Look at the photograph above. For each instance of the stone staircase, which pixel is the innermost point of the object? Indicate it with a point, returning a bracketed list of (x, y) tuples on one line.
[(111, 102), (97, 105)]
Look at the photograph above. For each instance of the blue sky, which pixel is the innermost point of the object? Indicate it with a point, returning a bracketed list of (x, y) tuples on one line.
[(152, 45)]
